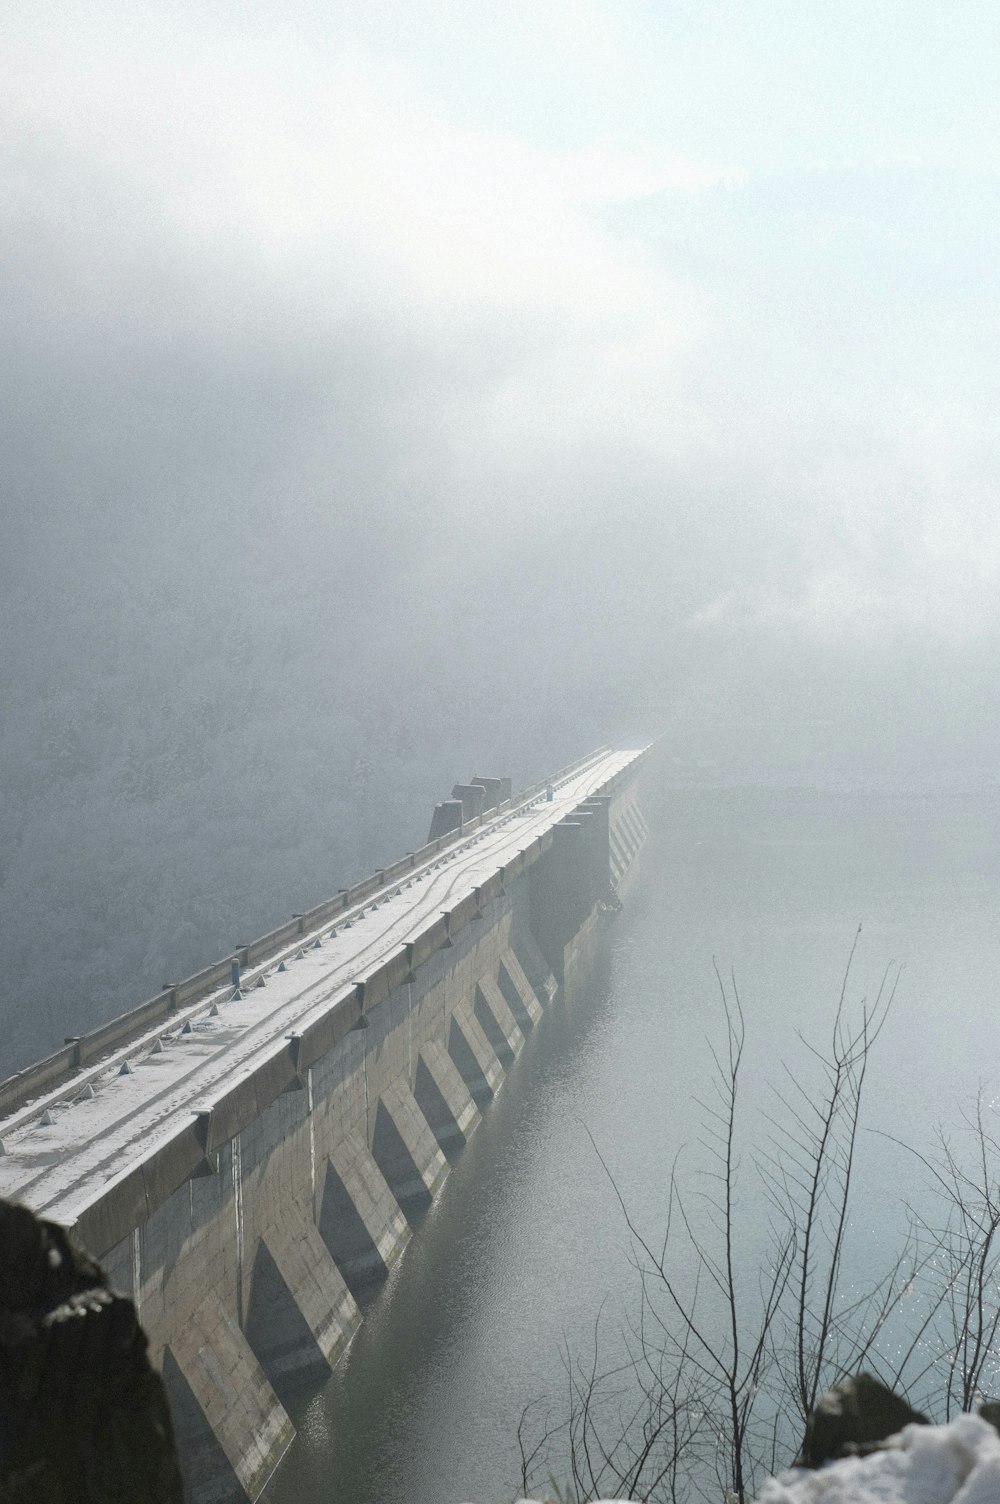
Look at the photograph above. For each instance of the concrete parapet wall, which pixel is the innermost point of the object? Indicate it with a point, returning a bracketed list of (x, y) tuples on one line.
[(34, 1079), (273, 941), (99, 1041)]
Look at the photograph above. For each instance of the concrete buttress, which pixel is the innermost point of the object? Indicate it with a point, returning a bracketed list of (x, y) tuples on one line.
[(474, 1056), (241, 1411), (520, 996), (300, 1313), (406, 1150), (498, 1022), (360, 1220), (444, 1098)]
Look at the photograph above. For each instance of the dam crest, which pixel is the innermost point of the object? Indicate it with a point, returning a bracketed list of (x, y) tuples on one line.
[(248, 1151)]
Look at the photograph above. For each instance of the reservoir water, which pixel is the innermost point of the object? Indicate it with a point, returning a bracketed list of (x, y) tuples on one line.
[(525, 1244)]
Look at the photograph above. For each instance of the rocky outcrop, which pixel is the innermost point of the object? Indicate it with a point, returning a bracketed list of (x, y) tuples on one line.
[(83, 1416), (853, 1418)]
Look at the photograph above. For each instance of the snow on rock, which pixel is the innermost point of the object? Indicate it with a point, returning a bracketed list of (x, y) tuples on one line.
[(954, 1464)]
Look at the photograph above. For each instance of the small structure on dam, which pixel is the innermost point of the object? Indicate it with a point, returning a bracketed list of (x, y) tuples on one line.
[(246, 1152)]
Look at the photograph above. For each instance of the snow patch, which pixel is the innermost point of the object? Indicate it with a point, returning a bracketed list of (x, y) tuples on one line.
[(954, 1464)]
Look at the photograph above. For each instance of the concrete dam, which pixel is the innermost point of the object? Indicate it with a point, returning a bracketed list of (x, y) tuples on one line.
[(247, 1152)]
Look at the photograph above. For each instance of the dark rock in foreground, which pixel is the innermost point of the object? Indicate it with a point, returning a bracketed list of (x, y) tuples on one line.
[(83, 1416), (852, 1418)]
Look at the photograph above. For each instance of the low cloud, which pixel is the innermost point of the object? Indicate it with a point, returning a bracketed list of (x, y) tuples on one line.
[(357, 429)]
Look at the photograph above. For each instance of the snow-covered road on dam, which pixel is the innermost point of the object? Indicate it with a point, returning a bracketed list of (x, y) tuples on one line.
[(62, 1150)]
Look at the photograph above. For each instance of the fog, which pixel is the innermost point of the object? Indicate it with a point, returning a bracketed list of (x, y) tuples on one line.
[(396, 393)]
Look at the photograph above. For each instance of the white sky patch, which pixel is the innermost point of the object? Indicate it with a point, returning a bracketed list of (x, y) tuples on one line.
[(606, 174), (294, 158)]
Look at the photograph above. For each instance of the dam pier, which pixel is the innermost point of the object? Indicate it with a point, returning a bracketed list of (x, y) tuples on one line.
[(246, 1153)]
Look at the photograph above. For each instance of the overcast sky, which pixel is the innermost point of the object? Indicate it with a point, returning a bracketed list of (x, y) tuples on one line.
[(728, 270)]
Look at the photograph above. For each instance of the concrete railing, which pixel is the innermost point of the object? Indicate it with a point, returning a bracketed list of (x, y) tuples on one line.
[(25, 1085)]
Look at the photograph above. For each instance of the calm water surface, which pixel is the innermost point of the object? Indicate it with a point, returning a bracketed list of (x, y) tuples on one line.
[(526, 1242)]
